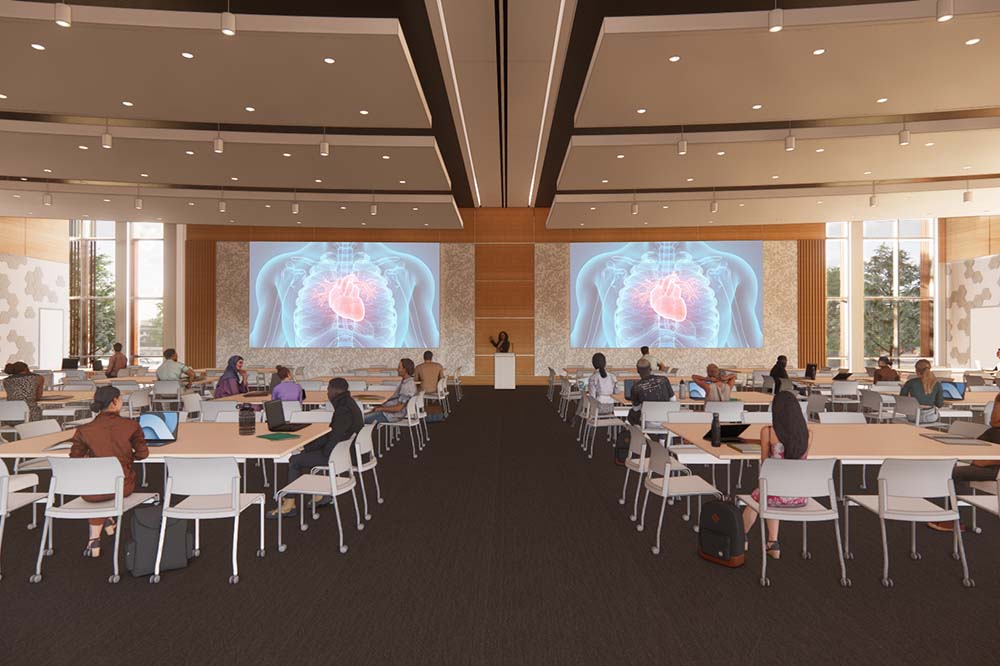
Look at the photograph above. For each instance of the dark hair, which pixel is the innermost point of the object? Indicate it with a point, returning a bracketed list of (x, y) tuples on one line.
[(283, 372), (503, 336), (782, 359), (600, 362), (8, 369), (169, 353), (338, 384), (117, 346), (885, 359), (789, 425), (644, 350), (16, 368), (408, 365), (103, 397), (428, 355)]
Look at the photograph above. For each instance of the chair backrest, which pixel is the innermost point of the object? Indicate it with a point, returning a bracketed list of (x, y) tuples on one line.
[(442, 387), (816, 403), (983, 389), (659, 462), (908, 407), (13, 410), (78, 385), (74, 374), (637, 441), (757, 378), (687, 416), (729, 412), (871, 401), (797, 478), (191, 402), (203, 476), (363, 442), (888, 385), (357, 385), (412, 411), (314, 385), (340, 459), (37, 428), (915, 478), (967, 429), (658, 411), (757, 417), (842, 418), (86, 476), (211, 408), (786, 385), (289, 407), (166, 387), (227, 417), (767, 382), (974, 380), (844, 389), (312, 416)]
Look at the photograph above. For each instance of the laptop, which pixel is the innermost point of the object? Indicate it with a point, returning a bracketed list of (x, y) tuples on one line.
[(953, 390), (696, 392), (275, 416), (71, 364), (628, 384), (98, 364), (159, 428), (810, 371), (730, 432), (842, 376)]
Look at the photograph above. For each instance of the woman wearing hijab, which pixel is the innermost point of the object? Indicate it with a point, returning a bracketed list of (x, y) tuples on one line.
[(787, 438), (109, 435), (233, 380)]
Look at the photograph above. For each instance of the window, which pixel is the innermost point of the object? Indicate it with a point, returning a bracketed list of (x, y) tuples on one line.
[(837, 292), (147, 292), (898, 271), (92, 288)]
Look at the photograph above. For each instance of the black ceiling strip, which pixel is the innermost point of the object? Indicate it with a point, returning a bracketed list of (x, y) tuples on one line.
[(506, 106), (500, 118)]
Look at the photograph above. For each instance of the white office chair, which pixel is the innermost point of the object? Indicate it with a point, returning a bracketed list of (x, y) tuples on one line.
[(166, 392), (903, 489), (797, 478), (138, 401), (78, 385), (569, 393), (34, 429), (313, 385), (455, 379), (410, 423), (364, 451), (338, 480), (12, 500), (440, 395), (990, 502), (815, 403), (12, 412), (594, 420), (638, 462), (420, 398), (210, 409), (767, 384), (125, 385), (875, 407), (357, 385), (312, 416), (763, 418), (550, 394), (906, 410), (191, 407), (842, 418), (212, 489), (689, 454), (729, 412), (660, 482), (844, 394), (654, 414), (984, 389), (289, 407), (86, 476)]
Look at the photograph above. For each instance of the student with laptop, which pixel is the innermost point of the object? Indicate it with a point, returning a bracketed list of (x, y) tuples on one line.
[(649, 388), (885, 372), (926, 389), (108, 435), (717, 387), (347, 422)]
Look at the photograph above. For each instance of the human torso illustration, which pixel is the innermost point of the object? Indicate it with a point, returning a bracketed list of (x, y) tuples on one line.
[(345, 295), (666, 294)]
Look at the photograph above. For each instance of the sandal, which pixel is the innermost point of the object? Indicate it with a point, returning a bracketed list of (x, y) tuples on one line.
[(110, 526), (93, 548), (774, 550)]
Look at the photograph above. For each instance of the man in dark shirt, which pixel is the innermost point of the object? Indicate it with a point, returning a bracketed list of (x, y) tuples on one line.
[(347, 421), (650, 387), (779, 371)]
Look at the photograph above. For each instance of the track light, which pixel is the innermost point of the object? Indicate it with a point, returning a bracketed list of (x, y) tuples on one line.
[(904, 137), (295, 208), (218, 145), (713, 207), (789, 143), (46, 199), (775, 20), (373, 210), (228, 24), (635, 208), (138, 203), (64, 15), (222, 205), (945, 10)]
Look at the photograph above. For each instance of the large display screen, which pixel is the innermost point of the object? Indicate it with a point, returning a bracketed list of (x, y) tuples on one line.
[(672, 294), (334, 295)]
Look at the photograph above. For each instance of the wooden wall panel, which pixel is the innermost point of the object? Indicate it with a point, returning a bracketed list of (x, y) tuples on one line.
[(812, 302), (13, 238), (966, 238), (48, 239), (514, 261), (994, 234), (505, 299), (505, 225), (521, 332), (199, 301)]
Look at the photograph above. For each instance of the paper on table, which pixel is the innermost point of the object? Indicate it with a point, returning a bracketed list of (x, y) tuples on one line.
[(278, 436), (61, 446)]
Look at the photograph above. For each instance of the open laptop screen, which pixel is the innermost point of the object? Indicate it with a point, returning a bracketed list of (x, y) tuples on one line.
[(953, 390), (696, 392), (159, 427)]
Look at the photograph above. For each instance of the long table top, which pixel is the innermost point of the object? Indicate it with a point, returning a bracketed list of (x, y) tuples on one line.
[(194, 440), (54, 398), (368, 379), (850, 442), (313, 397), (746, 397)]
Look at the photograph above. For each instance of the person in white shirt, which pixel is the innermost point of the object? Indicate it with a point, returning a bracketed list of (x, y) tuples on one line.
[(654, 362), (171, 370), (601, 384)]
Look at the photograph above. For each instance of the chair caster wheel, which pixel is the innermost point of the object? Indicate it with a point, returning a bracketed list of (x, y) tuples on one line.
[(32, 526), (686, 516), (845, 582), (956, 556), (633, 518), (918, 556), (233, 580), (361, 526), (696, 529), (670, 502), (196, 552), (848, 556), (343, 549), (114, 579), (380, 500), (368, 516), (261, 552), (49, 551), (315, 516), (806, 555), (765, 582), (35, 578), (304, 527), (282, 547), (621, 501), (887, 582), (656, 551), (638, 528), (154, 579), (977, 530), (968, 582)]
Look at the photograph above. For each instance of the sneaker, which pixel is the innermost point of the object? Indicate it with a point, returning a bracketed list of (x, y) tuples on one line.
[(946, 526), (290, 513)]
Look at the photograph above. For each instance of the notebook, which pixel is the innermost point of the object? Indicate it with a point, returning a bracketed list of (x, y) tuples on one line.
[(61, 446)]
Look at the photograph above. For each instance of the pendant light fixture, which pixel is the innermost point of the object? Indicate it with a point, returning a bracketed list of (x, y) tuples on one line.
[(228, 23), (138, 199), (682, 145), (904, 134), (873, 199), (713, 207), (967, 194), (945, 10), (106, 137), (295, 203), (47, 197), (634, 208), (324, 146), (775, 19), (218, 145), (790, 139), (64, 15), (222, 200)]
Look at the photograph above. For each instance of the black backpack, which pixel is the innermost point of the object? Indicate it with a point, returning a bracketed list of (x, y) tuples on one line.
[(720, 534), (140, 551)]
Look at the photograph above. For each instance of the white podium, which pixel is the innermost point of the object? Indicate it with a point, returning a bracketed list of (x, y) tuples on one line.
[(503, 371)]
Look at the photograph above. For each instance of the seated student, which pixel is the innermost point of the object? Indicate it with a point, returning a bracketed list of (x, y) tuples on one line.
[(788, 437), (118, 361), (429, 373), (22, 384), (394, 409), (109, 435), (926, 389), (885, 372), (977, 470), (347, 422), (649, 388), (717, 387), (654, 362), (233, 380), (286, 388), (171, 370), (601, 384), (779, 371)]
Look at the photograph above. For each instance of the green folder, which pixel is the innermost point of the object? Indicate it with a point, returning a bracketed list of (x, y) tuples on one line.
[(278, 436)]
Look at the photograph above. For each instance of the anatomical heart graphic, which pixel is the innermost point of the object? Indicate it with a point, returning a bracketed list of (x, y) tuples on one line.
[(665, 298), (345, 298)]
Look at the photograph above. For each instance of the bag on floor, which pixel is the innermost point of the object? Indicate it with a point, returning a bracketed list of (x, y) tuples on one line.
[(622, 443), (720, 534), (140, 551)]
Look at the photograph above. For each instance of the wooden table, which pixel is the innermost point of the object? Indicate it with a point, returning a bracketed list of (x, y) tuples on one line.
[(367, 379), (313, 398), (60, 397), (746, 397)]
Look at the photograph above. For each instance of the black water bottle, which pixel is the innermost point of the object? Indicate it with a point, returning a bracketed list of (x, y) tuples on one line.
[(716, 430), (247, 419)]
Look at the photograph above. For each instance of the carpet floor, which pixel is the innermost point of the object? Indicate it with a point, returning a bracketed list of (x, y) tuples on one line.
[(503, 544)]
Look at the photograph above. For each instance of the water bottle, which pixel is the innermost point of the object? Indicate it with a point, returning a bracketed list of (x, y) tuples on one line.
[(682, 390), (248, 419), (716, 430)]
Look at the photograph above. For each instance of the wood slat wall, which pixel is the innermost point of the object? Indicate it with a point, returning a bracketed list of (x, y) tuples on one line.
[(199, 303), (40, 239), (962, 238), (812, 302)]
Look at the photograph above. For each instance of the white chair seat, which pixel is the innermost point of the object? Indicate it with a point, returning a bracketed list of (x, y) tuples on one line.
[(811, 511), (681, 486), (692, 455), (16, 500), (605, 421), (365, 466), (80, 508), (985, 502), (211, 506), (60, 411), (316, 484), (21, 482), (641, 465), (912, 509)]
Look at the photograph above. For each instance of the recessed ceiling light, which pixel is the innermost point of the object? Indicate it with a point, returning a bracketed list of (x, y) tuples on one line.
[(415, 208), (819, 51), (742, 204), (2, 96), (821, 150), (187, 54), (427, 224), (317, 180), (882, 100), (83, 147), (929, 144), (267, 205), (107, 201), (711, 221), (690, 180), (604, 180), (640, 111), (645, 222), (286, 154), (720, 153), (233, 178), (363, 112), (402, 182), (17, 196), (189, 152), (249, 109), (23, 178), (868, 173), (144, 175), (364, 224), (819, 202), (38, 47), (385, 157), (674, 58), (593, 208), (127, 103), (621, 157), (665, 207), (775, 177), (757, 107), (973, 41), (47, 170), (190, 203), (329, 61), (581, 224), (966, 167), (343, 208)]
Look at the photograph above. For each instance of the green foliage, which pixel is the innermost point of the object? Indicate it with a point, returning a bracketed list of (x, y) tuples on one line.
[(883, 312), (104, 307)]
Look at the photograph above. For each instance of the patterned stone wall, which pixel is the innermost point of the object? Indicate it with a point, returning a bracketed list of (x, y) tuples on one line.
[(232, 308), (973, 283), (780, 317), (27, 284)]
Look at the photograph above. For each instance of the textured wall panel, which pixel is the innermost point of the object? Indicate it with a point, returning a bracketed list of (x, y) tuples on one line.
[(199, 303), (973, 283), (27, 284)]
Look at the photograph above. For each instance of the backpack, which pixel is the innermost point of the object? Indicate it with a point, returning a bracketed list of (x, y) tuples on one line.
[(720, 534), (140, 551)]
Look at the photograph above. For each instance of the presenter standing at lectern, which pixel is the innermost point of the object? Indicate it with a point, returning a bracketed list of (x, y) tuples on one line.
[(502, 343)]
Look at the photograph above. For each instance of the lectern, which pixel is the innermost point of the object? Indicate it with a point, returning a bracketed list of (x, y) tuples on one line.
[(503, 371)]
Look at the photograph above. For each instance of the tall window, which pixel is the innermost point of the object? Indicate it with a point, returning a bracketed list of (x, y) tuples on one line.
[(147, 293), (92, 288), (837, 292), (899, 278)]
